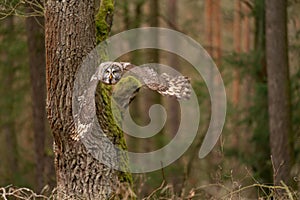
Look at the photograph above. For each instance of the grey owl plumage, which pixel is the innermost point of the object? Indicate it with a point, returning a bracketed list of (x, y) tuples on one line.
[(111, 73), (165, 84)]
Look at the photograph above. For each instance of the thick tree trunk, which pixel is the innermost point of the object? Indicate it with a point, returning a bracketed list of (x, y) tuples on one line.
[(278, 88), (70, 36), (36, 49)]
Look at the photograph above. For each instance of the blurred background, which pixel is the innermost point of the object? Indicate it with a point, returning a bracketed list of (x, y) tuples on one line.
[(232, 32)]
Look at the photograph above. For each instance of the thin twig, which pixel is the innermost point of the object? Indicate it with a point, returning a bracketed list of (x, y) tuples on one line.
[(157, 189), (16, 10), (287, 190)]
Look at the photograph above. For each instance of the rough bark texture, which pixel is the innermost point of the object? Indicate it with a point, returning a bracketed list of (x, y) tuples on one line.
[(36, 49), (70, 36), (278, 88)]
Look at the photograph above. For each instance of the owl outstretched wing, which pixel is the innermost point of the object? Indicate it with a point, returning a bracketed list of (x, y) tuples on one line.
[(83, 102), (165, 84)]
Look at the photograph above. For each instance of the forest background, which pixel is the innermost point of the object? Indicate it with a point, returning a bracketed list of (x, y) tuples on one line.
[(232, 32)]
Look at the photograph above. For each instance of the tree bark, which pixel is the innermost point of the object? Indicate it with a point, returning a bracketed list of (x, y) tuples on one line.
[(7, 120), (217, 36), (278, 89), (208, 25), (154, 22), (173, 118), (237, 48), (147, 98), (37, 62), (70, 36), (246, 28)]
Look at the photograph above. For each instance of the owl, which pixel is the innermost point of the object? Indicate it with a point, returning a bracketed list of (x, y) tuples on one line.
[(173, 86), (111, 73)]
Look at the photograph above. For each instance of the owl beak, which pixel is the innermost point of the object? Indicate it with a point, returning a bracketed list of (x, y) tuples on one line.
[(110, 78)]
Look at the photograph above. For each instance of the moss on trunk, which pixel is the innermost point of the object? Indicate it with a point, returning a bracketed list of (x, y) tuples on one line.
[(104, 19)]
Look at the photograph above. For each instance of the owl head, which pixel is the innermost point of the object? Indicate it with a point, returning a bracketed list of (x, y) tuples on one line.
[(110, 72)]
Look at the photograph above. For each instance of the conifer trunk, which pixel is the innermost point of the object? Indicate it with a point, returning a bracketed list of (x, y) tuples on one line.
[(278, 88), (36, 49)]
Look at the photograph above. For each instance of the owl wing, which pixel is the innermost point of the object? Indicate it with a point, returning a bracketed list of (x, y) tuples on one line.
[(137, 77), (165, 84), (177, 86)]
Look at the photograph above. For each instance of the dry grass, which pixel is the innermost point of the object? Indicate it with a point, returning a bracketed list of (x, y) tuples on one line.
[(166, 192)]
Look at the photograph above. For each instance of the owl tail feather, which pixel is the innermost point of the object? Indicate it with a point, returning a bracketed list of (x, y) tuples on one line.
[(178, 86)]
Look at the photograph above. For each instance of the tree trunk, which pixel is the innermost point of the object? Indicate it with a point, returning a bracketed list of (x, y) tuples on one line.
[(246, 28), (70, 36), (173, 118), (147, 98), (7, 120), (208, 25), (36, 49), (260, 134), (138, 13), (278, 88), (171, 105), (237, 48), (217, 36), (236, 73), (154, 22), (126, 14)]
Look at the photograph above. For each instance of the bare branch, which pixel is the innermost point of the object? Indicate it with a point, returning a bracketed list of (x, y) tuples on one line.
[(18, 8)]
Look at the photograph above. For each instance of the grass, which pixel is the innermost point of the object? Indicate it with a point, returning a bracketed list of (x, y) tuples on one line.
[(166, 192)]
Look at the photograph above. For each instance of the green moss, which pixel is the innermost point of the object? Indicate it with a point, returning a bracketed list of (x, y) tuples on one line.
[(104, 20), (126, 83), (114, 132), (124, 89)]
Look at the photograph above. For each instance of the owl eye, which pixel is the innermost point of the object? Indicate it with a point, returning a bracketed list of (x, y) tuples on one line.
[(115, 72)]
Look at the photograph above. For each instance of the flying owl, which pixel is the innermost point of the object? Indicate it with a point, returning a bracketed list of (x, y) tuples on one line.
[(111, 73), (173, 86)]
